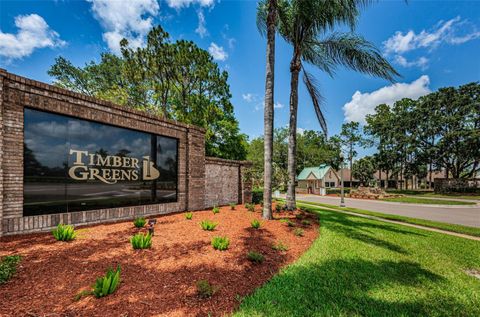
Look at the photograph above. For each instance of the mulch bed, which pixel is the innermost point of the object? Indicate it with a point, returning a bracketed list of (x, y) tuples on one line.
[(160, 281)]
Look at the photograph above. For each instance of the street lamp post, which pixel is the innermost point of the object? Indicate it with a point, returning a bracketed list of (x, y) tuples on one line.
[(342, 193)]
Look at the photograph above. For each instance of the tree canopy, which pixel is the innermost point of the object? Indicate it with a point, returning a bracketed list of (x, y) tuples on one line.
[(177, 80)]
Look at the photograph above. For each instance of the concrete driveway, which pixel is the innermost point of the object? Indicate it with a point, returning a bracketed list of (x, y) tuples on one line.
[(468, 215)]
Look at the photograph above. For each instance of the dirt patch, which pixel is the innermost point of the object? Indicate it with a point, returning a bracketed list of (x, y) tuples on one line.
[(156, 282)]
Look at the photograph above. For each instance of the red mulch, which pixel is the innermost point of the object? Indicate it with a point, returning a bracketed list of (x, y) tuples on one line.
[(156, 282)]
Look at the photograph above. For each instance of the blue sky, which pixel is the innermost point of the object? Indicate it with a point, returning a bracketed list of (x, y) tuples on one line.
[(431, 43)]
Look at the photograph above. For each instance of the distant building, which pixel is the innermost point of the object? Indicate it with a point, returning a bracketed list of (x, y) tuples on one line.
[(315, 180)]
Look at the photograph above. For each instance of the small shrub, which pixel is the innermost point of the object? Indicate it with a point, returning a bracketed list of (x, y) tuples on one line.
[(255, 257), (215, 210), (257, 195), (139, 222), (189, 215), (107, 284), (64, 232), (220, 243), (298, 232), (306, 222), (205, 289), (299, 216), (279, 246), (250, 207), (232, 206), (278, 207), (208, 225), (288, 222), (141, 241), (8, 267), (255, 224)]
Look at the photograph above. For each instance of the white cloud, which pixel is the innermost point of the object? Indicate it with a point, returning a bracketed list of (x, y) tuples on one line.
[(33, 33), (201, 29), (454, 31), (421, 62), (362, 104), (249, 97), (178, 4), (217, 52), (125, 19), (278, 105)]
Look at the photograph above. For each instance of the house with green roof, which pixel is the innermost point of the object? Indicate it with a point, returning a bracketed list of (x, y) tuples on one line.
[(315, 180)]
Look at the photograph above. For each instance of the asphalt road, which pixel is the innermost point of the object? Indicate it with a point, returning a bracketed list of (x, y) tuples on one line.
[(462, 215)]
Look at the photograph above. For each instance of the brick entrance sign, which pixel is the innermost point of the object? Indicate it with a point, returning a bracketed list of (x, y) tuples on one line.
[(69, 158)]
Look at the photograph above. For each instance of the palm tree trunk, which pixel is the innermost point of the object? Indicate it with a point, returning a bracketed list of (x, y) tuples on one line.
[(268, 111), (292, 136)]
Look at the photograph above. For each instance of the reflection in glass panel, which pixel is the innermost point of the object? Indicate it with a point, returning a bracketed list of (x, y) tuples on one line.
[(106, 166), (45, 149)]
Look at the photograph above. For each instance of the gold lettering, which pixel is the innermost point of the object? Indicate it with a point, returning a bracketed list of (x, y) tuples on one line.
[(135, 163), (117, 161), (92, 157), (116, 174), (78, 156), (103, 161), (82, 175), (126, 161), (134, 175), (126, 175)]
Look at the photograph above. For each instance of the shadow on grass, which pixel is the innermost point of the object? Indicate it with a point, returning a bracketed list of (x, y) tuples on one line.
[(346, 288)]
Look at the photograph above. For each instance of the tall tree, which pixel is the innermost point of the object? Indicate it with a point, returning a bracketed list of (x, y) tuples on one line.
[(271, 20), (305, 24), (177, 80), (351, 137), (363, 169)]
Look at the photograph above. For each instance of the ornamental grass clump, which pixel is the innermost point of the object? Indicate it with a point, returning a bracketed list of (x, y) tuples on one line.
[(255, 257), (250, 207), (279, 246), (232, 206), (8, 267), (298, 232), (215, 210), (141, 241), (306, 222), (139, 222), (220, 243), (205, 289), (189, 215), (208, 225), (255, 224), (107, 284), (64, 232)]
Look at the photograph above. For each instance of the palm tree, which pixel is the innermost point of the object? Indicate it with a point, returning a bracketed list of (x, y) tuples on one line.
[(271, 8), (308, 26)]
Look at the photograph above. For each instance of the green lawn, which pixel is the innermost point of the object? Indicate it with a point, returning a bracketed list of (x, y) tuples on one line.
[(362, 267), (421, 200), (427, 223)]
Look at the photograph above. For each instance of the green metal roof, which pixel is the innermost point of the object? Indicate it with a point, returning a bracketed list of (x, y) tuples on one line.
[(319, 172)]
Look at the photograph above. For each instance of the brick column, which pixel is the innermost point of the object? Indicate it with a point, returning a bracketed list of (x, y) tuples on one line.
[(246, 183), (2, 74), (195, 169)]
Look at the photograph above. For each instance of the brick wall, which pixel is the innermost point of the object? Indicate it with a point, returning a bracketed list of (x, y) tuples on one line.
[(226, 182), (202, 181)]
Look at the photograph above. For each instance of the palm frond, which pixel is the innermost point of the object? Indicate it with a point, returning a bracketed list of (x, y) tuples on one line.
[(317, 99), (262, 13), (355, 52)]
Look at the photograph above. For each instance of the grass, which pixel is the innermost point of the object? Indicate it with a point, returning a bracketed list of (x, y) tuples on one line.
[(363, 267), (421, 200), (422, 222)]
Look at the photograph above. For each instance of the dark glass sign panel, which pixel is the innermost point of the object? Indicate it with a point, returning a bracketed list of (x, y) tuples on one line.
[(72, 164)]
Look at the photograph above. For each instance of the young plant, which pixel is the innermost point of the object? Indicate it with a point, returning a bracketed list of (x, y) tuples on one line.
[(139, 222), (107, 284), (250, 207), (232, 206), (278, 207), (299, 216), (288, 222), (215, 210), (306, 222), (189, 215), (279, 246), (205, 289), (8, 267), (255, 224), (255, 257), (298, 232), (208, 225), (64, 232), (141, 241), (220, 243)]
